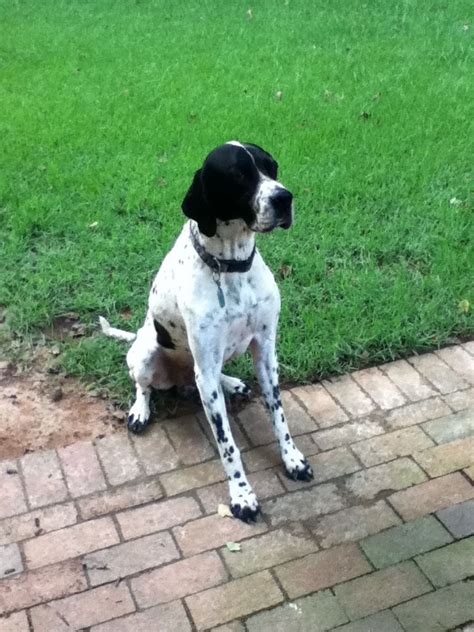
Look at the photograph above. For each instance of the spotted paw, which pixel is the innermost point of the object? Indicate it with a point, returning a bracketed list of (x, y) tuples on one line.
[(301, 471), (243, 502), (136, 424), (244, 512), (234, 386)]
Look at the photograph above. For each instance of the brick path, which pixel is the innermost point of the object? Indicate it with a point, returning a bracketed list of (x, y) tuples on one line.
[(122, 534)]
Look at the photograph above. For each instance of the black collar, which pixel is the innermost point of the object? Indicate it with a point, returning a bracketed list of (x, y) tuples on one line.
[(220, 265)]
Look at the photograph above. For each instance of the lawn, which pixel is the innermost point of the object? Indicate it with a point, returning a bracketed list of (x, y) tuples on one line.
[(108, 107)]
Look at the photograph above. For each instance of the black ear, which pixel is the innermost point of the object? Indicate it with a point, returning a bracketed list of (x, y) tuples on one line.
[(195, 206)]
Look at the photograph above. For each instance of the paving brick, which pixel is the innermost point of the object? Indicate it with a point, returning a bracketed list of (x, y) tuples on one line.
[(178, 580), (70, 542), (380, 388), (349, 395), (408, 380), (12, 499), (459, 519), (347, 433), (417, 413), (170, 617), (354, 523), (15, 622), (447, 458), (405, 541), (43, 478), (44, 584), (155, 452), (267, 456), (213, 531), (459, 360), (130, 557), (460, 400), (157, 516), (10, 560), (235, 626), (470, 472), (469, 346), (432, 496), (326, 465), (82, 469), (304, 505), (391, 445), (320, 405), (450, 564), (452, 427), (322, 570), (190, 442), (256, 423), (183, 480), (382, 589), (83, 610), (118, 458), (298, 419), (438, 611), (310, 614), (438, 373), (120, 498), (265, 484), (379, 622), (234, 600), (267, 550), (397, 474), (37, 522)]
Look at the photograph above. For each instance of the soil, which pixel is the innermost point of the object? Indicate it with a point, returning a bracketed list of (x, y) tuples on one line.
[(39, 411)]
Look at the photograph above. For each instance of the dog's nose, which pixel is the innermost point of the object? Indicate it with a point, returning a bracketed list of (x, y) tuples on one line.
[(281, 201)]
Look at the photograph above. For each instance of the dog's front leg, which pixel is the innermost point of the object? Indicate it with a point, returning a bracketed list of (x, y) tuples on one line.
[(243, 502), (266, 367)]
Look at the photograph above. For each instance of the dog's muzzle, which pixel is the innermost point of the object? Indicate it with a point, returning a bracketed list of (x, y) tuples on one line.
[(282, 203)]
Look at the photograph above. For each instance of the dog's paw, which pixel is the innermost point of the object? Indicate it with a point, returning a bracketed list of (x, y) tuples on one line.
[(138, 417), (234, 386), (244, 504), (137, 425), (245, 513), (301, 471)]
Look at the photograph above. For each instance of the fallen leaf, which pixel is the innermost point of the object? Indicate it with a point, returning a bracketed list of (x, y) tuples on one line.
[(454, 201), (249, 14), (285, 271), (94, 225), (224, 511), (464, 306), (233, 546), (278, 95)]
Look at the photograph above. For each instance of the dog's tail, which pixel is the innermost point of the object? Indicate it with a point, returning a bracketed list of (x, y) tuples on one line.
[(120, 334)]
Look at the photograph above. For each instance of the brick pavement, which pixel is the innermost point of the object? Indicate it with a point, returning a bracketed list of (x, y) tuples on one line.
[(121, 534)]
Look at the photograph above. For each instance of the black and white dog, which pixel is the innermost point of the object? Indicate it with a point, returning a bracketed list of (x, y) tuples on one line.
[(213, 298)]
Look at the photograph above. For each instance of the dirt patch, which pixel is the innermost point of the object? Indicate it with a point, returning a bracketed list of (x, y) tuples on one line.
[(39, 411)]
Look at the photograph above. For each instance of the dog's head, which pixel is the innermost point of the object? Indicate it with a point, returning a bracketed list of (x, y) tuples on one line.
[(238, 181)]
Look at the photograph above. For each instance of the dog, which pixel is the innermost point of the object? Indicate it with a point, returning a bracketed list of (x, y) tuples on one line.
[(211, 300)]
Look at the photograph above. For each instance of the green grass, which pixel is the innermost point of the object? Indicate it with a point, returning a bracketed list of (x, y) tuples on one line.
[(107, 108)]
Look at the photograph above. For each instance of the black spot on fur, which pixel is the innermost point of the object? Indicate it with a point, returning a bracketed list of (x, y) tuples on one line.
[(264, 328), (214, 394), (171, 323), (230, 460), (217, 421), (237, 475), (276, 393), (231, 449), (163, 337), (287, 437), (242, 484)]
